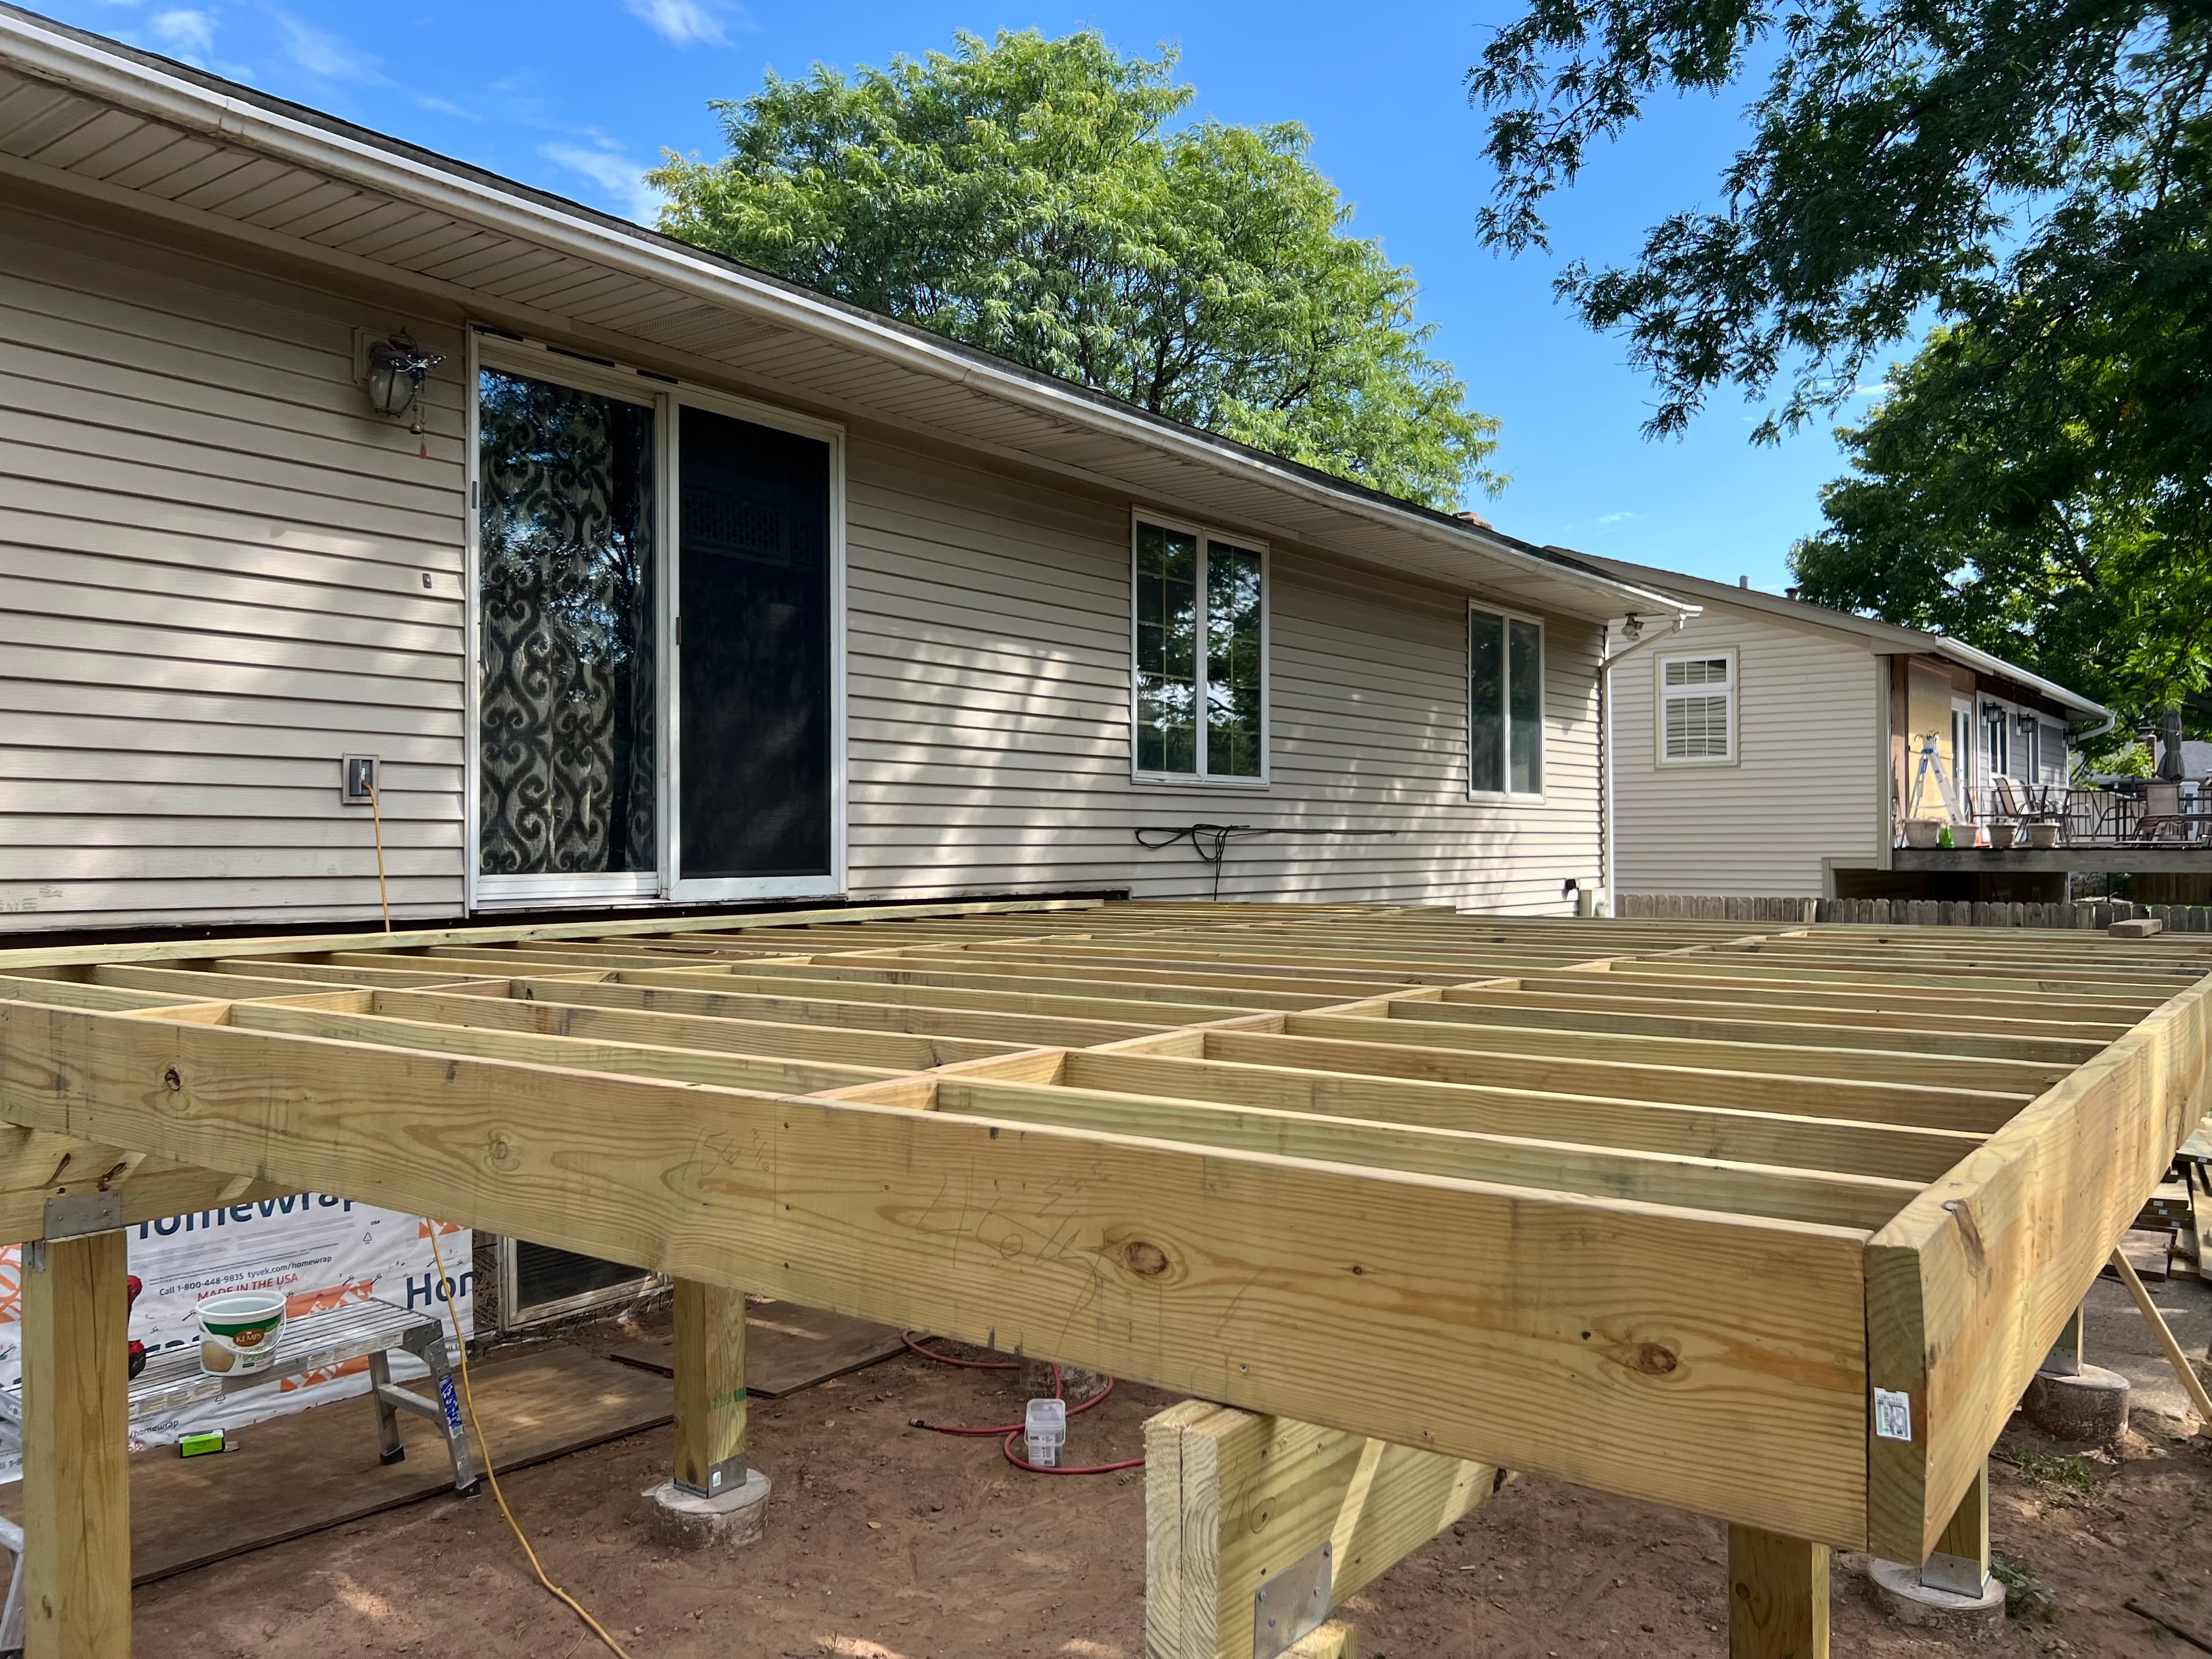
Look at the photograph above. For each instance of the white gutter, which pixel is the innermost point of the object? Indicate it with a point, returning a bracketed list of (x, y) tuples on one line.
[(185, 104)]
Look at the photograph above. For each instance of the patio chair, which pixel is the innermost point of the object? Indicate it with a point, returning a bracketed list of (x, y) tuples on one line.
[(2017, 803), (2162, 818)]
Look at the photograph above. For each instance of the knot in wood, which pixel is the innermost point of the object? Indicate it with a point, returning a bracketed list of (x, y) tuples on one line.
[(1652, 1358), (1143, 1258), (173, 1080)]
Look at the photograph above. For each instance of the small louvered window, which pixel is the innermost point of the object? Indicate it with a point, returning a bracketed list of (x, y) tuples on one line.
[(1697, 709)]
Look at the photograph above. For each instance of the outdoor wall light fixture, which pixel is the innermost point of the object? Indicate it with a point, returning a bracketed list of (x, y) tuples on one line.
[(396, 371), (1633, 627), (2026, 720)]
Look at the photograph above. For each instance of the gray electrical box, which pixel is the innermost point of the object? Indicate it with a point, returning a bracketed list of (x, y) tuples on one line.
[(357, 779)]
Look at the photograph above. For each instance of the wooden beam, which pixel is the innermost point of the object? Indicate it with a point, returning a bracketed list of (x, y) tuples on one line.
[(767, 922), (1359, 1045), (1450, 1314), (1959, 1562), (1442, 1093), (1549, 1164), (710, 1387), (731, 1002), (1783, 1057), (898, 1051), (733, 1071), (77, 1469), (36, 1165), (1777, 1596), (1968, 1288), (1233, 1500)]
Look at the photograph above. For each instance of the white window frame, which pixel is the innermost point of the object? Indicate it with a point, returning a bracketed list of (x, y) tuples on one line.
[(1203, 778), (1467, 702), (1994, 767), (1660, 698), (496, 349)]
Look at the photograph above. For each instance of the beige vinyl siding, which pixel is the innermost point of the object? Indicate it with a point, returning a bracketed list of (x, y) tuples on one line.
[(988, 664), (1804, 784), (211, 586)]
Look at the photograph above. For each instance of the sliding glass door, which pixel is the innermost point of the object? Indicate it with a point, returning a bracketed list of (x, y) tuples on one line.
[(658, 623), (754, 639)]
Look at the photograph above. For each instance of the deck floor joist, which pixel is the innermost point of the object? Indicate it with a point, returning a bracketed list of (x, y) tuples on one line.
[(1653, 1205)]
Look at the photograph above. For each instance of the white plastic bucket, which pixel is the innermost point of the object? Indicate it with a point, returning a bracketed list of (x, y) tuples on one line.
[(1044, 1430), (239, 1331)]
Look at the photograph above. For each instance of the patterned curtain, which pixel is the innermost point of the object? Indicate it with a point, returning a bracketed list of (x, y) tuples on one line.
[(565, 709)]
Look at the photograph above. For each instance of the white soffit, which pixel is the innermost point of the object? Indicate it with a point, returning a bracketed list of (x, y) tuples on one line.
[(80, 112)]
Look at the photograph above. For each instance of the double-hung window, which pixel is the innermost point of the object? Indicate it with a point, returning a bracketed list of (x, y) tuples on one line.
[(1201, 656), (1505, 704), (1696, 707)]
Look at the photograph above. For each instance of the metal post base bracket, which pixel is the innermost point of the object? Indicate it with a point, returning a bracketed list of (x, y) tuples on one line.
[(1293, 1603), (726, 1476)]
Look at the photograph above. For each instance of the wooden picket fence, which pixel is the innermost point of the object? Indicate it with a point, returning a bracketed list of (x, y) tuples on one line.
[(1917, 913)]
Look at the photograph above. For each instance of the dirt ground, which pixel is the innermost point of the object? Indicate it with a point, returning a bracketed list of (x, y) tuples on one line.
[(885, 1542)]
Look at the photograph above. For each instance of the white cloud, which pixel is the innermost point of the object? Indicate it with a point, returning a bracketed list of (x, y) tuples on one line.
[(1619, 518), (187, 34), (445, 107), (686, 22), (613, 172), (324, 54)]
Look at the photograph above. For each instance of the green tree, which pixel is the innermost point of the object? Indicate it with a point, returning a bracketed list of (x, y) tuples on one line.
[(2036, 174), (1038, 198), (1978, 510)]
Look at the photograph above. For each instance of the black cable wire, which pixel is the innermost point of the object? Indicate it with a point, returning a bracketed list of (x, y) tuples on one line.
[(1211, 841)]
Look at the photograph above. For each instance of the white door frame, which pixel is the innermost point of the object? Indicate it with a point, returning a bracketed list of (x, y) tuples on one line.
[(494, 349)]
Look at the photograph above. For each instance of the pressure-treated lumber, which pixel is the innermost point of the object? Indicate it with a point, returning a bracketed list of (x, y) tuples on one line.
[(1720, 1359), (710, 1385), (2190, 1382), (76, 1470), (36, 1166), (1777, 1596), (1959, 1562), (1232, 1499), (1969, 1286)]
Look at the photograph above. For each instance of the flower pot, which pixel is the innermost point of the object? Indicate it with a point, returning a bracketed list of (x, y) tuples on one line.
[(1922, 833), (2003, 835), (2045, 835)]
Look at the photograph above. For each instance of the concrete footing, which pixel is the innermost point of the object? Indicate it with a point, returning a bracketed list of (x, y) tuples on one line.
[(1898, 1591), (2090, 1406), (684, 1521)]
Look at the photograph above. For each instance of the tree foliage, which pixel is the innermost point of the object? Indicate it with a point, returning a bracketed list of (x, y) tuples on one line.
[(1038, 198), (2036, 174)]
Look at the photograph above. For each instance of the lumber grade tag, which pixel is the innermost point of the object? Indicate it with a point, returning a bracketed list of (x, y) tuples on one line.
[(1893, 1414)]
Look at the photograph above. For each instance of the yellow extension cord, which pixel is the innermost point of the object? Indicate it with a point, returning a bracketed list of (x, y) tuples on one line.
[(483, 1447), (461, 1347)]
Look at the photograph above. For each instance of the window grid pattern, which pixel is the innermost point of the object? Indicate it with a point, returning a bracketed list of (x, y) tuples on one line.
[(1695, 699)]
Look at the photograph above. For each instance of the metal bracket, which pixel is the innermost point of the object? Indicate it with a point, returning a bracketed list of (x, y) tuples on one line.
[(73, 1215), (722, 1478), (1293, 1603), (1961, 1575)]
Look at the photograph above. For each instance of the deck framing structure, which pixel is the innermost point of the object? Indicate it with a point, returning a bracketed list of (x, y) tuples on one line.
[(1651, 1207)]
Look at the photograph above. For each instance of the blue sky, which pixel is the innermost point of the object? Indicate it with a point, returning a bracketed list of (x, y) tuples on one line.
[(580, 96)]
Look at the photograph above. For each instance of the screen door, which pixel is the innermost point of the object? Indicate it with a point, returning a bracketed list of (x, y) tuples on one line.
[(755, 620)]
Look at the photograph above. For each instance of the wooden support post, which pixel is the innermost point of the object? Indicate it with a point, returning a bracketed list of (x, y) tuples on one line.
[(1961, 1561), (77, 1470), (2064, 1359), (710, 1388), (1236, 1504), (1777, 1596)]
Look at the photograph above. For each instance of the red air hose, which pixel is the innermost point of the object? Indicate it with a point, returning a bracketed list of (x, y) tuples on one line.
[(1014, 1431)]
